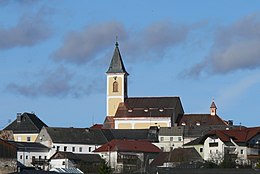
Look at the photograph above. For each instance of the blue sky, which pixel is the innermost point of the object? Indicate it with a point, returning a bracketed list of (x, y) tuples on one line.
[(54, 55)]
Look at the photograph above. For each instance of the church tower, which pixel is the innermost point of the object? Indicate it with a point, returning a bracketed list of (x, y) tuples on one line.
[(116, 82), (213, 108)]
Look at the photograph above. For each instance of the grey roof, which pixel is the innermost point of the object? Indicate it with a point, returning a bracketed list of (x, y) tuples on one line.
[(29, 123), (133, 134), (117, 65), (179, 155), (29, 146), (89, 158), (197, 141), (171, 131), (76, 135)]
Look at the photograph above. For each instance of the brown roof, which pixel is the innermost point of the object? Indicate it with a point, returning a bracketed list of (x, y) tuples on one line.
[(201, 119), (149, 107), (242, 135), (128, 146), (177, 155)]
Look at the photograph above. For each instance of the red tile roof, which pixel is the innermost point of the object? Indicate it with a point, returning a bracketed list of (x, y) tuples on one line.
[(242, 135), (128, 146)]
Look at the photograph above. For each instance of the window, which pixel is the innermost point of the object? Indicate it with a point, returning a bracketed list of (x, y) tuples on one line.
[(241, 151), (89, 149), (63, 162), (58, 148), (162, 138), (28, 138), (45, 157), (216, 150), (19, 138), (40, 157), (201, 149), (80, 149), (21, 156), (210, 151), (26, 157), (162, 148), (213, 144), (65, 148), (73, 149), (115, 86), (179, 138), (171, 138)]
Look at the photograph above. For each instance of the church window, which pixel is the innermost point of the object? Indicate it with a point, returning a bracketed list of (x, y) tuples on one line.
[(115, 86)]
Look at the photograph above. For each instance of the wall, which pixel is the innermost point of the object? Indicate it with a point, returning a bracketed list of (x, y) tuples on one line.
[(7, 165), (23, 137)]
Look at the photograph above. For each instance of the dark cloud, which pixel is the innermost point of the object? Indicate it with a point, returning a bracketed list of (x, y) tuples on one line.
[(53, 83), (56, 83), (151, 42), (81, 47), (235, 47), (30, 30)]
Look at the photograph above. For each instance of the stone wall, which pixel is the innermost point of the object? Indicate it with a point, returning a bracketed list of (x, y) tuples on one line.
[(7, 165)]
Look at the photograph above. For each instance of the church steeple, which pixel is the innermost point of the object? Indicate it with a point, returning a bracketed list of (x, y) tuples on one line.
[(116, 64), (116, 82), (213, 108)]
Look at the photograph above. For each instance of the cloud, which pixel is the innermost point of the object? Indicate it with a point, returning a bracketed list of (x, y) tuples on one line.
[(83, 46), (235, 47), (150, 42), (53, 83), (57, 83), (30, 30)]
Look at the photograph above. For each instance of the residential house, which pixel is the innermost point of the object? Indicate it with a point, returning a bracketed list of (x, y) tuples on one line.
[(170, 138), (178, 158), (26, 127), (241, 144), (75, 140), (8, 154), (128, 155), (31, 154), (87, 163)]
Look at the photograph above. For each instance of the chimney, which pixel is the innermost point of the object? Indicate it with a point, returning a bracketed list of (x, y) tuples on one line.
[(19, 117)]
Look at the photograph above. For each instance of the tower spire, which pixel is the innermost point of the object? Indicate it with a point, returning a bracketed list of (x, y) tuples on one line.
[(213, 108)]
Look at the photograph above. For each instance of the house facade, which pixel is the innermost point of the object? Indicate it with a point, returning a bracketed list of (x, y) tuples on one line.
[(75, 140), (128, 155), (241, 145), (26, 127)]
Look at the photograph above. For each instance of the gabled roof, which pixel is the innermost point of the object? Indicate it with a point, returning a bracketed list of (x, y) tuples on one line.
[(177, 155), (171, 131), (201, 119), (76, 135), (242, 135), (29, 146), (149, 107), (28, 123), (117, 65), (77, 157), (128, 146)]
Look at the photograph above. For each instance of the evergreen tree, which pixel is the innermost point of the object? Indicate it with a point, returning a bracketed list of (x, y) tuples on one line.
[(104, 168)]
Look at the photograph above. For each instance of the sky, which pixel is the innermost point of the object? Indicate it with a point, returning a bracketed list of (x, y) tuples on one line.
[(54, 55)]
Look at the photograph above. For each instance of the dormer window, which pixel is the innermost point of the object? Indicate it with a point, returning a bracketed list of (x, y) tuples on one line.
[(115, 86)]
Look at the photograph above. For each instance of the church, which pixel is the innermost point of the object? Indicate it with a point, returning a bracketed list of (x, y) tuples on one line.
[(125, 112)]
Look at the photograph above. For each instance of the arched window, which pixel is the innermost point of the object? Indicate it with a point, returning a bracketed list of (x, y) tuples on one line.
[(115, 86)]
